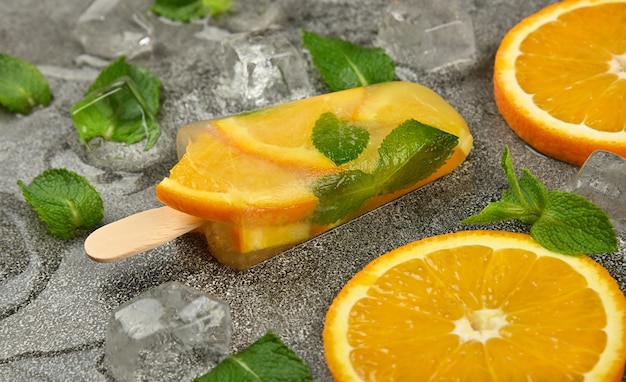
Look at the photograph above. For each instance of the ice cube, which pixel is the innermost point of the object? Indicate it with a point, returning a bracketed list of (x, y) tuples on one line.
[(263, 68), (602, 179), (426, 34), (112, 28), (169, 333)]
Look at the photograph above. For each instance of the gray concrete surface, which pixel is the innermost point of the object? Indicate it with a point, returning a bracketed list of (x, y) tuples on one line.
[(54, 302)]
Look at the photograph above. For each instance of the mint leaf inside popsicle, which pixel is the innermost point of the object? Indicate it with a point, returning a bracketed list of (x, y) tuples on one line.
[(411, 152), (337, 139)]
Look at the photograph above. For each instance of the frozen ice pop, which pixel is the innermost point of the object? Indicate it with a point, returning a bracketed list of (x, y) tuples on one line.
[(269, 179)]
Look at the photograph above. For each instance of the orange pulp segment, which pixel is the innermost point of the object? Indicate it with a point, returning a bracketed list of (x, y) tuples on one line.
[(477, 306)]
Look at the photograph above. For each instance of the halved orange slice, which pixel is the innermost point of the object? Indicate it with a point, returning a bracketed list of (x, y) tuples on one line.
[(560, 79), (477, 306)]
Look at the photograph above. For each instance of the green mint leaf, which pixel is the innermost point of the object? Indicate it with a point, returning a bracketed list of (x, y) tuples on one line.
[(22, 86), (572, 225), (411, 152), (337, 139), (120, 106), (529, 192), (218, 7), (341, 194), (64, 201), (180, 10), (267, 359), (534, 196), (344, 65), (497, 211), (560, 221), (187, 10), (525, 200)]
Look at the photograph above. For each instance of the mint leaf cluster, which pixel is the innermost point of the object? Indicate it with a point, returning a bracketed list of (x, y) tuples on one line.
[(22, 86), (344, 65), (560, 221), (120, 106), (267, 359), (411, 152), (187, 10), (64, 201)]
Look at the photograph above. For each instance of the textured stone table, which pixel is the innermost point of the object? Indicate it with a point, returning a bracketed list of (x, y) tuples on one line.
[(54, 302)]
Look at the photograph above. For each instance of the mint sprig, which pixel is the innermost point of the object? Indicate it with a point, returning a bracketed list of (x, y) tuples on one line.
[(64, 201), (187, 10), (344, 65), (560, 221), (267, 359), (411, 152), (120, 106), (22, 86)]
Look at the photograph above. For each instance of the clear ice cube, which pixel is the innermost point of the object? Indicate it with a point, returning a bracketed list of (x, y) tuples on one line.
[(112, 28), (169, 333), (602, 179), (263, 68), (427, 34)]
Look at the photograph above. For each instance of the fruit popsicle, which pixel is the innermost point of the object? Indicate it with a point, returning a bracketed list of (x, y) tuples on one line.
[(271, 178)]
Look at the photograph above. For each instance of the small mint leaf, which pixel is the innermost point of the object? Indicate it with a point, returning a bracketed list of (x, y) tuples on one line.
[(525, 200), (180, 10), (495, 212), (534, 195), (341, 194), (120, 106), (267, 359), (410, 153), (147, 85), (571, 224), (64, 201), (344, 65), (338, 140), (218, 7), (22, 86)]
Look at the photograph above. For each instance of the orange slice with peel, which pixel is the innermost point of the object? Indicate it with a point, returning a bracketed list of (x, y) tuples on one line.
[(560, 79), (282, 133), (216, 181), (477, 306)]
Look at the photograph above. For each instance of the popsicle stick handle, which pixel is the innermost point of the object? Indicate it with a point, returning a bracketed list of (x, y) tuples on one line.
[(138, 233)]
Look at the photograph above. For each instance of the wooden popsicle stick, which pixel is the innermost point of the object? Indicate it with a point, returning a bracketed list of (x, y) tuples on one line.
[(138, 233)]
